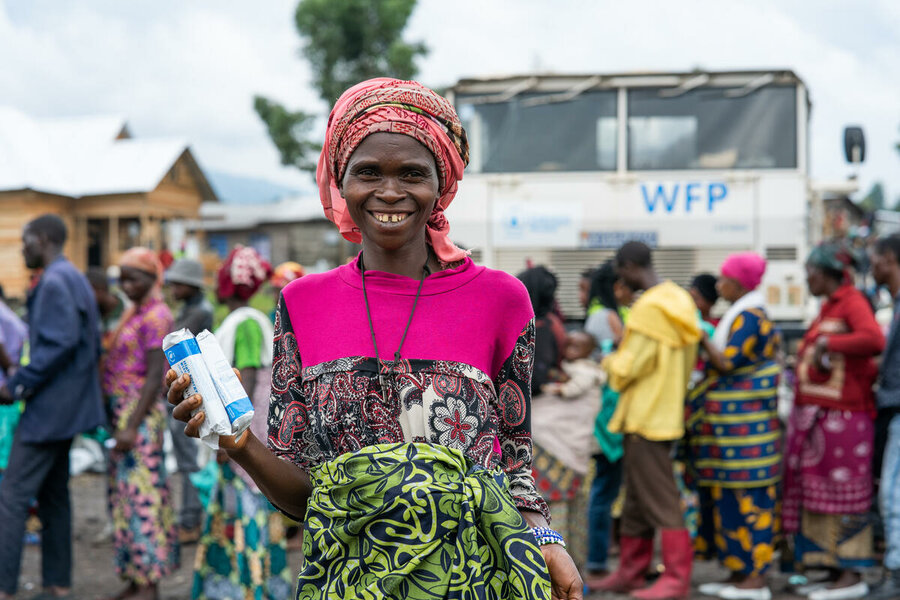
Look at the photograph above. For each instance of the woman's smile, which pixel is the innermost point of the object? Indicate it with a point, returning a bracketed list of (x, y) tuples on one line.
[(389, 218)]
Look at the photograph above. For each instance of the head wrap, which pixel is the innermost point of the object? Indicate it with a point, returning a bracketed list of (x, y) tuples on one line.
[(147, 261), (747, 268), (394, 106), (706, 285), (285, 273), (242, 274), (832, 256), (143, 259)]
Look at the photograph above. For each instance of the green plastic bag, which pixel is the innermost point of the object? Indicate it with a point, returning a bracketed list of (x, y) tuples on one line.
[(9, 419), (205, 481)]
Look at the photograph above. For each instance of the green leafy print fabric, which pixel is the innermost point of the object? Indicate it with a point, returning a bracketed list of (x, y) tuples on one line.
[(416, 521)]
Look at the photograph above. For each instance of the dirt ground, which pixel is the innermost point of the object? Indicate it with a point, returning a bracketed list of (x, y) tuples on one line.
[(93, 573), (95, 578)]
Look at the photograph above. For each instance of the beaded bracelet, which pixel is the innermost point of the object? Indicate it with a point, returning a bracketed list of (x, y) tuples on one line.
[(545, 535)]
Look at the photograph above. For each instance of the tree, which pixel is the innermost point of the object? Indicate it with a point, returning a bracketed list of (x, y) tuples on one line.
[(290, 133), (874, 200), (345, 41)]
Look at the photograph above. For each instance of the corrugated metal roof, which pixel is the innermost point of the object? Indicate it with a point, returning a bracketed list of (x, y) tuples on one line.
[(80, 156), (229, 217)]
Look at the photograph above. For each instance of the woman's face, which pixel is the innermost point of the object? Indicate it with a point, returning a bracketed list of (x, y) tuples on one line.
[(624, 295), (816, 280), (136, 283), (390, 186), (584, 289), (702, 303), (729, 289)]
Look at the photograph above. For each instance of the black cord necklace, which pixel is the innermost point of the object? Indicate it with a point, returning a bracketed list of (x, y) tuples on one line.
[(386, 368)]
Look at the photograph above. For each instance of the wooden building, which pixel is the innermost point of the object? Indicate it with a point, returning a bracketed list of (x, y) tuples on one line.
[(112, 190)]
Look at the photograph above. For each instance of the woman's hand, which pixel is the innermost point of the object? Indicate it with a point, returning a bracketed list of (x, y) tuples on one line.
[(820, 352), (185, 406), (125, 439), (565, 581)]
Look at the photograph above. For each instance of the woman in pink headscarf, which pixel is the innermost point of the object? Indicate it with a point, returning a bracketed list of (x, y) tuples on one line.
[(734, 436), (401, 382)]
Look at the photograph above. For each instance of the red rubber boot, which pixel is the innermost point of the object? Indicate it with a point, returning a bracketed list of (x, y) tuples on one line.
[(635, 555), (678, 558)]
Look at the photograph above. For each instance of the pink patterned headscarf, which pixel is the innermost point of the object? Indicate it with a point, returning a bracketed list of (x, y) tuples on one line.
[(143, 259), (147, 261), (747, 268), (394, 106), (242, 274)]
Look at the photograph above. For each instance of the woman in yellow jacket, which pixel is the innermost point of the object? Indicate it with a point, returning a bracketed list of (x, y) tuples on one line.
[(651, 370)]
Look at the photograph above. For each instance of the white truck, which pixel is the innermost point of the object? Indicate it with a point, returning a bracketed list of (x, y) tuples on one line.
[(565, 168)]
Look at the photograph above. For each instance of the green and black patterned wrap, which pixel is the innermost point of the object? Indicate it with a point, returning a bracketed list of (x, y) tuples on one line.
[(412, 520)]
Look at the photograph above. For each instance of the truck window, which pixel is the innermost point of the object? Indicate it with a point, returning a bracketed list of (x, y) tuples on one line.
[(517, 136), (710, 128)]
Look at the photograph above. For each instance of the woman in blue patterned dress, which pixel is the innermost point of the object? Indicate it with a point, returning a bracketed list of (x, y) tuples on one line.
[(735, 437)]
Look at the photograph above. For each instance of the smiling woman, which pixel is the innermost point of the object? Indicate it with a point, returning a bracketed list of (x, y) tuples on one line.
[(411, 364)]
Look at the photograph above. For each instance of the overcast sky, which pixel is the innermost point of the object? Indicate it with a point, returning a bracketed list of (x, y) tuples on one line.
[(190, 69)]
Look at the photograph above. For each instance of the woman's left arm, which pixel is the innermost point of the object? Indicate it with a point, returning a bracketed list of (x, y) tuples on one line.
[(248, 342), (150, 394), (864, 338), (514, 435), (742, 344)]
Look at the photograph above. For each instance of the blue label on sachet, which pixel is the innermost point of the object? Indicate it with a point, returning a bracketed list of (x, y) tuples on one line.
[(238, 408), (181, 351)]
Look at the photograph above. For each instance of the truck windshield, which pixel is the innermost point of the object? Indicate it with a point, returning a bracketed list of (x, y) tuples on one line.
[(712, 128), (519, 136)]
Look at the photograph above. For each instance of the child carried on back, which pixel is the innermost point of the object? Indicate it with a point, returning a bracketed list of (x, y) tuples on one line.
[(580, 374)]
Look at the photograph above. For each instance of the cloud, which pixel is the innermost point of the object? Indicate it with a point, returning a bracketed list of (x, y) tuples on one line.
[(851, 79), (191, 69), (173, 69)]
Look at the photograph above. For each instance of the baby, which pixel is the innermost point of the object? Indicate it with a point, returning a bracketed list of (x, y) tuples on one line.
[(581, 373)]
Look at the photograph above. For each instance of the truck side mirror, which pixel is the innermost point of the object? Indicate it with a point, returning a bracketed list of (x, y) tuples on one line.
[(854, 144)]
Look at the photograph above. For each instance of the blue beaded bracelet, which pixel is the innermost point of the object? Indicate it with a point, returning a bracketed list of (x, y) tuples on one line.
[(545, 535)]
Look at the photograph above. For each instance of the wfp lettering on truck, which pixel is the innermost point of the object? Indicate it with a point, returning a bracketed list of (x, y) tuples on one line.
[(668, 197)]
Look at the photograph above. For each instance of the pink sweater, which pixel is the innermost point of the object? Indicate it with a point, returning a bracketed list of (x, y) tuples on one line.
[(470, 314)]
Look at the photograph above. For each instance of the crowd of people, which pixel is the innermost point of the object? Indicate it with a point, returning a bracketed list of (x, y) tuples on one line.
[(687, 441), (440, 428), (90, 359)]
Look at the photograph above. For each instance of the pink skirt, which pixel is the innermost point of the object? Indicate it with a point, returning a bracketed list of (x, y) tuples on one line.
[(828, 466)]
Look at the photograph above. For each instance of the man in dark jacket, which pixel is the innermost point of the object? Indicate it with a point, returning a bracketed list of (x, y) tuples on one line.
[(886, 271), (61, 389)]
